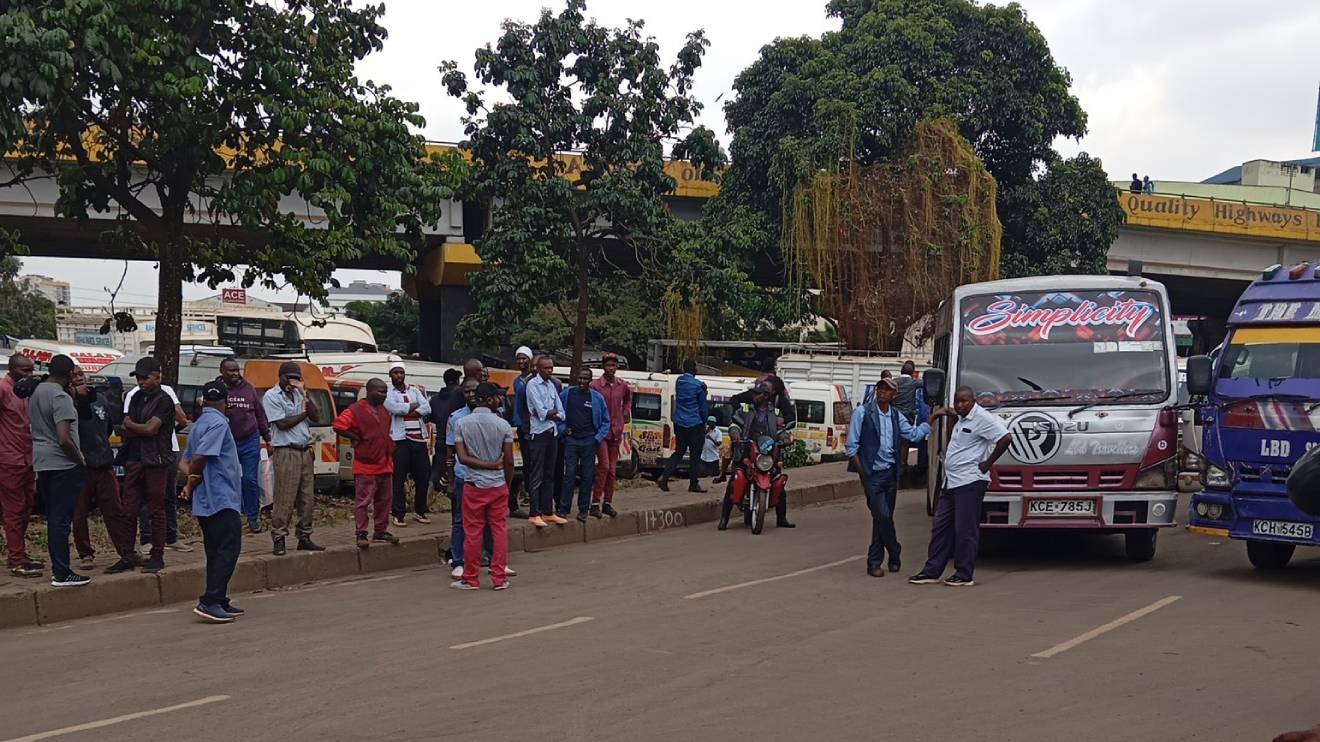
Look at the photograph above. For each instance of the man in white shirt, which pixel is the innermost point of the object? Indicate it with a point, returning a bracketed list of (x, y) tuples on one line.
[(956, 529), (172, 541), (710, 448), (409, 409)]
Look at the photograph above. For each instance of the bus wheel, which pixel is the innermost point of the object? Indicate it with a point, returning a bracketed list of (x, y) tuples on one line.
[(1269, 554), (630, 469), (1140, 545)]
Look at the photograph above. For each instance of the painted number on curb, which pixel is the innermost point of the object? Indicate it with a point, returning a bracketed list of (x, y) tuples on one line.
[(657, 520)]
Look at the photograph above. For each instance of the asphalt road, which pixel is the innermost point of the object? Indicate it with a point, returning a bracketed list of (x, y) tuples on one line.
[(659, 638)]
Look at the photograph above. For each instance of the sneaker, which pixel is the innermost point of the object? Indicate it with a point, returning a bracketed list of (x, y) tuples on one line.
[(921, 578), (154, 565), (232, 609), (179, 546), (537, 521), (254, 526), (456, 572), (595, 512), (145, 549), (72, 580), (461, 585), (277, 546), (362, 541), (88, 561), (609, 510), (399, 522), (386, 537), (956, 581), (582, 517), (503, 586), (212, 613), (306, 543), (876, 571), (556, 519), (123, 565), (27, 569), (421, 518), (508, 572), (663, 483)]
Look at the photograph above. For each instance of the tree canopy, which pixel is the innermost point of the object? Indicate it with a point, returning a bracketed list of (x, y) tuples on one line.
[(394, 321), (561, 223), (23, 313), (857, 94), (1063, 222), (210, 128)]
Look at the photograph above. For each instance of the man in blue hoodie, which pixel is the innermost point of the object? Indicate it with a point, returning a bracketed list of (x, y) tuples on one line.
[(691, 408), (585, 426)]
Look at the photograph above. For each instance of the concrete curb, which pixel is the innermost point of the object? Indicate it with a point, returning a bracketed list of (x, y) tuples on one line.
[(113, 594)]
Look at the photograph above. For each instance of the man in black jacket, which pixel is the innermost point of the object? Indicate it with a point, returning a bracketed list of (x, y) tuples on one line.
[(101, 487), (770, 411)]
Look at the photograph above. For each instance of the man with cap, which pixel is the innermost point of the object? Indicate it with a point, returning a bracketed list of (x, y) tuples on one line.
[(710, 448), (288, 408), (59, 464), (484, 445), (181, 421), (366, 423), (149, 455), (874, 447), (523, 360), (16, 480), (618, 404), (214, 483), (409, 410), (247, 422)]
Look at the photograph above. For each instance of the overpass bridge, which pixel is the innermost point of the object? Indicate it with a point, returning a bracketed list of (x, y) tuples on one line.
[(1205, 249)]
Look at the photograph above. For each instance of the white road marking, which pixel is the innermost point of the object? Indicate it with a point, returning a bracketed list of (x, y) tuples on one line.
[(1097, 631), (528, 632), (364, 581), (118, 719), (764, 580)]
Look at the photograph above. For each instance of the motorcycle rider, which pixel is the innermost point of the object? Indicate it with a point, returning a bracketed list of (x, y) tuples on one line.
[(770, 411)]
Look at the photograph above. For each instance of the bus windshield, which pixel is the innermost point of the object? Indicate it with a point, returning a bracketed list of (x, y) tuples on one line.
[(1265, 353), (1058, 347)]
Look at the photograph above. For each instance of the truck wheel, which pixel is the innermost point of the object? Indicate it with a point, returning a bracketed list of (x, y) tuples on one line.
[(1140, 545), (630, 469), (1269, 554)]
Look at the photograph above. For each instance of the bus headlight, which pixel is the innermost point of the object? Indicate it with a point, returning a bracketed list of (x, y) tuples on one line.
[(765, 462), (1216, 478)]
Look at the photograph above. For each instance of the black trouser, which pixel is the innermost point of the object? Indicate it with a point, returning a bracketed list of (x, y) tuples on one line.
[(690, 440), (538, 472), (222, 538), (60, 491), (171, 512), (411, 460)]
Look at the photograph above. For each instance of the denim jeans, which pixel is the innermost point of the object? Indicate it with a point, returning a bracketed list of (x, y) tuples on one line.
[(881, 497), (579, 472), (456, 538), (249, 457), (60, 491)]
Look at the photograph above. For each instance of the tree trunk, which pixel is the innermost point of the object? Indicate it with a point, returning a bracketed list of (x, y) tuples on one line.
[(169, 310), (583, 306)]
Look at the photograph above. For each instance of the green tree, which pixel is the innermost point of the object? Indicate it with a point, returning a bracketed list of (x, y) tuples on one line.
[(571, 85), (1062, 222), (858, 93), (620, 321), (393, 321), (23, 313), (201, 123)]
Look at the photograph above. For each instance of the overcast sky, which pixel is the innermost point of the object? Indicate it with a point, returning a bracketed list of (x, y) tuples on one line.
[(1176, 89)]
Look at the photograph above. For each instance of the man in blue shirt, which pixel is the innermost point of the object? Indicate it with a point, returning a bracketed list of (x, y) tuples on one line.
[(874, 447), (545, 410), (215, 485), (456, 545), (586, 424), (691, 408)]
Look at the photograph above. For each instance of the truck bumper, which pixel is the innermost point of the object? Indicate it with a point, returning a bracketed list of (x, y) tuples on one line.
[(1238, 516), (1112, 511)]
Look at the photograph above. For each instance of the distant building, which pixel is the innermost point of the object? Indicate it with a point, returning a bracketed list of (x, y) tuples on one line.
[(1266, 182), (1295, 174), (57, 291), (359, 291)]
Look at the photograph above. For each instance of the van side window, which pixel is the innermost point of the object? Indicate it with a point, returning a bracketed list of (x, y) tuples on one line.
[(646, 407), (809, 411)]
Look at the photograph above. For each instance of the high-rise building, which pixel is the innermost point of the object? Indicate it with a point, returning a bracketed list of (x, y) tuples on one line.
[(57, 291)]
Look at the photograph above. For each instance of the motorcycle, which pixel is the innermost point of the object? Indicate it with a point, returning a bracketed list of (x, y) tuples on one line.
[(759, 480)]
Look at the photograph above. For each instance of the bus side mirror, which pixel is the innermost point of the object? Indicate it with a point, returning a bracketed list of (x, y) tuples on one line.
[(932, 381), (1199, 370)]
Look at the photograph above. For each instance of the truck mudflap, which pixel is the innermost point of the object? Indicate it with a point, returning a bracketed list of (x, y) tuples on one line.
[(1251, 518), (1109, 511)]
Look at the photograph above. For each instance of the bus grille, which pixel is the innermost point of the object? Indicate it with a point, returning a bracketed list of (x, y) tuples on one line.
[(1259, 472)]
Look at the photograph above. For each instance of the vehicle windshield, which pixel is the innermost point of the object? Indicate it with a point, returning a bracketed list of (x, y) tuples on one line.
[(1093, 346), (1271, 353)]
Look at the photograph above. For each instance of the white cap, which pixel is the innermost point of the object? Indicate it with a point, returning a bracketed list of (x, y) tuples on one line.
[(523, 351), (398, 365)]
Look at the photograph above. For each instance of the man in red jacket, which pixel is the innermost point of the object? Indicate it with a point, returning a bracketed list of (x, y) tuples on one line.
[(366, 423)]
